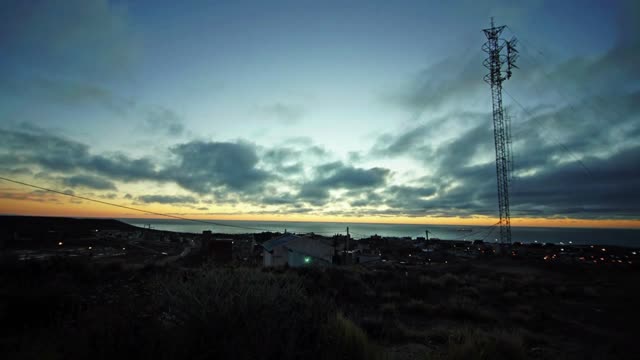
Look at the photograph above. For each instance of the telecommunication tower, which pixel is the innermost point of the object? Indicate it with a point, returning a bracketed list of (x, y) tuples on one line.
[(501, 52)]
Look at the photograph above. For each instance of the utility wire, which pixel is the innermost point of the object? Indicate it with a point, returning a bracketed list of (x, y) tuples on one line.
[(180, 217), (128, 207), (148, 211), (556, 141), (562, 94)]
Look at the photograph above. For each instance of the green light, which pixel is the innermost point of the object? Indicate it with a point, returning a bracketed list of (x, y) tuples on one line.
[(307, 259)]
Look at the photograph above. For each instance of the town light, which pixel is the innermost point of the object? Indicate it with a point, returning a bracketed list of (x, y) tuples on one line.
[(307, 259)]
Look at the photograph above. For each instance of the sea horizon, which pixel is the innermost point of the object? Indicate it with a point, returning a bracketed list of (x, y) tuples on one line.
[(524, 234), (324, 222)]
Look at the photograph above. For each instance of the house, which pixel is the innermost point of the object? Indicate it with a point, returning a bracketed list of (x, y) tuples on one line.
[(295, 251)]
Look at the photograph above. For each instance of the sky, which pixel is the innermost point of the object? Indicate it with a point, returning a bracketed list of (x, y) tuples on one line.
[(367, 111)]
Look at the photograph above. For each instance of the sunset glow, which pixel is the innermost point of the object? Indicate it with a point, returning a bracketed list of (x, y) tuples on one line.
[(298, 111)]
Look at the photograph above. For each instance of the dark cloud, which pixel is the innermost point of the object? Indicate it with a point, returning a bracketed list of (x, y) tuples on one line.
[(203, 166), (285, 161), (58, 154), (167, 199), (89, 181), (365, 199), (122, 167), (337, 175), (609, 188), (418, 141), (410, 140), (347, 177), (552, 147), (574, 142), (281, 199)]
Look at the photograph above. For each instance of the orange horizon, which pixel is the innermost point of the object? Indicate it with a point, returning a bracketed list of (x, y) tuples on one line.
[(40, 209)]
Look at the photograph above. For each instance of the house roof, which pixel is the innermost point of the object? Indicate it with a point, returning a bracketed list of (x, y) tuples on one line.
[(311, 247), (279, 241), (302, 245)]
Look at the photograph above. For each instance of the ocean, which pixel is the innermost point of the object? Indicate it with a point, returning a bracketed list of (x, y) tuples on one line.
[(576, 236)]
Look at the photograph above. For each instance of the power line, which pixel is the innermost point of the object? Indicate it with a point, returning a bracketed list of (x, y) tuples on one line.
[(481, 230), (148, 211), (128, 207), (175, 216), (556, 141), (591, 105), (488, 234)]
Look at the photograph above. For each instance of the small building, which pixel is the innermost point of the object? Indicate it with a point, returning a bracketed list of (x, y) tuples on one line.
[(216, 249), (296, 251)]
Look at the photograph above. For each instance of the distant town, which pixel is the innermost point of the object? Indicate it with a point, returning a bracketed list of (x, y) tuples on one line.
[(112, 241)]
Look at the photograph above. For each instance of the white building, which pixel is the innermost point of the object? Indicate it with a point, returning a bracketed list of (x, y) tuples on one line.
[(296, 251)]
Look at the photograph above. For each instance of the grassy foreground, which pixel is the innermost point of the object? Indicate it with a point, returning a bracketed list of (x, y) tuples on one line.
[(72, 309), (66, 309)]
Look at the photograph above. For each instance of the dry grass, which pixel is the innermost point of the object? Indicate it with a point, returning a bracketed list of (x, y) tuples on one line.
[(345, 340)]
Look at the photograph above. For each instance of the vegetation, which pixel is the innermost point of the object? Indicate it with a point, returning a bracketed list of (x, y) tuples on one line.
[(208, 313), (71, 309)]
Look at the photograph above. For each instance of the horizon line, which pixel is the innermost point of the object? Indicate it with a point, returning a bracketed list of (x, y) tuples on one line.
[(349, 222)]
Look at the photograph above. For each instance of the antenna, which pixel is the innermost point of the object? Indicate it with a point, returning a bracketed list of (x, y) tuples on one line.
[(346, 253), (495, 47)]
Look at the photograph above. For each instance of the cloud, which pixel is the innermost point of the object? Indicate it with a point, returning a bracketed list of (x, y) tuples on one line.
[(439, 87), (89, 181), (421, 139), (285, 161), (347, 177), (336, 175), (203, 166), (164, 121), (549, 152), (167, 199), (58, 154)]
